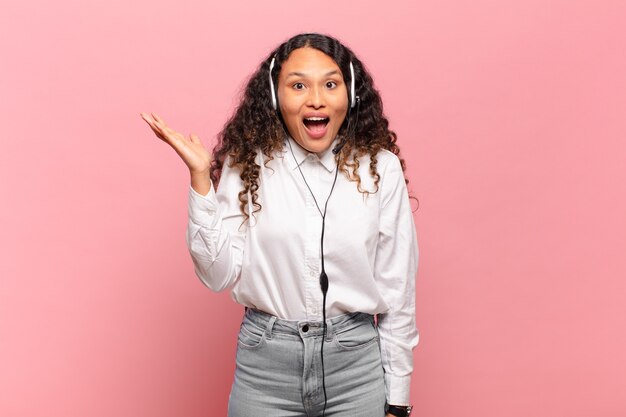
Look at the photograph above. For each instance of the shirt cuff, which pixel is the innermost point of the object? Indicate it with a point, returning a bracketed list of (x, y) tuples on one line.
[(398, 389), (202, 208)]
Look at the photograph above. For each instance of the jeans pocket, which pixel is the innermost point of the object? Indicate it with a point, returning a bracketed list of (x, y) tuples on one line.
[(357, 337), (250, 336)]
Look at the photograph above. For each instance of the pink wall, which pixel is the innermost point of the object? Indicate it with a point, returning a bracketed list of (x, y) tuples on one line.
[(510, 114)]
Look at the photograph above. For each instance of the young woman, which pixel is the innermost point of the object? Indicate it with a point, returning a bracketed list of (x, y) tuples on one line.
[(324, 261)]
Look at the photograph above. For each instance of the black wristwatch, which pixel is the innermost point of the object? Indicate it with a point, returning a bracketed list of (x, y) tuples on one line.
[(399, 410)]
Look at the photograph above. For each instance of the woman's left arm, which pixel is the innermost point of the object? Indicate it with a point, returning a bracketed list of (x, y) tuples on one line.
[(395, 269)]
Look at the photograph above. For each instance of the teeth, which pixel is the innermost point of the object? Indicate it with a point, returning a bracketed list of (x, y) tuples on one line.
[(316, 119)]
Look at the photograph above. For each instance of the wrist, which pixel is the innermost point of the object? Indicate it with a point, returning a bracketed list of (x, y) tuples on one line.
[(201, 182), (202, 173)]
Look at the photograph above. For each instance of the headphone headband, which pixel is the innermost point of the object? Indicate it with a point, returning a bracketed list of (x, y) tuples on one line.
[(273, 90)]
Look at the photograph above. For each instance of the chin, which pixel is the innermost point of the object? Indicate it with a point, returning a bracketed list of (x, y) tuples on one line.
[(315, 145)]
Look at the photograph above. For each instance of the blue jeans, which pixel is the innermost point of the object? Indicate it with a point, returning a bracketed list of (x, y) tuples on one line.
[(279, 368)]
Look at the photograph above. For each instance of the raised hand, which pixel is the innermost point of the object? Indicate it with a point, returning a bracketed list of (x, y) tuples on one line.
[(193, 153)]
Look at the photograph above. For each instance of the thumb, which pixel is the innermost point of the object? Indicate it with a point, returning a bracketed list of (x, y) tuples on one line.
[(194, 138)]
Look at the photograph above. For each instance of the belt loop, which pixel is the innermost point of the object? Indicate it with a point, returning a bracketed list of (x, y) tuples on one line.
[(329, 330), (270, 325)]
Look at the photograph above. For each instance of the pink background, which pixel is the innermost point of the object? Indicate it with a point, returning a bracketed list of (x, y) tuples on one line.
[(510, 114)]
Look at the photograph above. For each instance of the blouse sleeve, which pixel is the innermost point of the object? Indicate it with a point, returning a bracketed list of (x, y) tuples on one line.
[(395, 269), (215, 234)]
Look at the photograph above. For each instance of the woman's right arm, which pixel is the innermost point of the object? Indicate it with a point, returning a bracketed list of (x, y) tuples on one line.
[(215, 234)]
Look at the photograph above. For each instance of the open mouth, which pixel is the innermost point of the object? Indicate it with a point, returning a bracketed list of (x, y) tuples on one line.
[(316, 126)]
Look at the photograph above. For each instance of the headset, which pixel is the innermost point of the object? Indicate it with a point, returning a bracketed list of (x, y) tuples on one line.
[(354, 101)]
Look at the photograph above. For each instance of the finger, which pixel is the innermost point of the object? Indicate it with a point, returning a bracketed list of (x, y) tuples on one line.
[(163, 127), (158, 133), (147, 119), (150, 123), (167, 129), (157, 118), (164, 132), (155, 128), (160, 123), (194, 138)]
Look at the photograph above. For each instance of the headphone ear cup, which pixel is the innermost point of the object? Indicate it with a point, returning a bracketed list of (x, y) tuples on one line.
[(352, 86), (272, 90)]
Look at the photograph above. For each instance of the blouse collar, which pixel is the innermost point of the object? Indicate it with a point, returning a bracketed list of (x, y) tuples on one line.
[(327, 158)]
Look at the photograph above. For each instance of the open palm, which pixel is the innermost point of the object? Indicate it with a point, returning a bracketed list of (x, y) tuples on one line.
[(193, 153)]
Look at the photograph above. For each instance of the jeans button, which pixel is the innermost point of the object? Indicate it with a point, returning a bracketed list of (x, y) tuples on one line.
[(305, 328)]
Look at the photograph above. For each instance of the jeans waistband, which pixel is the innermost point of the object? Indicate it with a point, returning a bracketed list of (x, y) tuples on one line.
[(306, 328)]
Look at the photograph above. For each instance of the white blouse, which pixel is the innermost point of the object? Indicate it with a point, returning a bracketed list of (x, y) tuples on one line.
[(273, 262)]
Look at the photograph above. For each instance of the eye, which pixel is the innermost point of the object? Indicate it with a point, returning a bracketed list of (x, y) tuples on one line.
[(298, 86), (331, 84)]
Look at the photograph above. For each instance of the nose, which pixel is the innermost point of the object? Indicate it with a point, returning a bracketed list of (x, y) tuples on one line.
[(316, 97)]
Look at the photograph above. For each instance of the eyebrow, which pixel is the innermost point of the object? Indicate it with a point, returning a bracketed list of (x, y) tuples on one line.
[(301, 74)]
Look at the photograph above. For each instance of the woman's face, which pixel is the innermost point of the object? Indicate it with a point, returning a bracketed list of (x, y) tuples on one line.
[(313, 98)]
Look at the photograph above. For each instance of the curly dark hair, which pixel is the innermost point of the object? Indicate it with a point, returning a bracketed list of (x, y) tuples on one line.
[(255, 125)]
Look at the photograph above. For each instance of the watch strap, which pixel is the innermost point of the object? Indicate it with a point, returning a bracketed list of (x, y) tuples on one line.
[(399, 411)]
